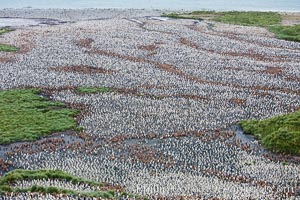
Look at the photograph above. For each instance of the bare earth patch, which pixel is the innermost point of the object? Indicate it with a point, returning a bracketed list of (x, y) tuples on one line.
[(290, 18), (84, 69)]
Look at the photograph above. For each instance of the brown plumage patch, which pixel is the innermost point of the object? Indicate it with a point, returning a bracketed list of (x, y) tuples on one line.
[(151, 47), (87, 43), (237, 101), (273, 70)]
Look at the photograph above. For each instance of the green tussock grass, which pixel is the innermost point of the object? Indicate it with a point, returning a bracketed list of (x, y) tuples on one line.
[(91, 90), (249, 18), (291, 33), (19, 174), (280, 133), (8, 48), (2, 31), (179, 16), (233, 17), (270, 20), (192, 15), (26, 116)]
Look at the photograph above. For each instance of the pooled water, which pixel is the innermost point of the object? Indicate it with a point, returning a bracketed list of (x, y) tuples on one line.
[(23, 22), (17, 22)]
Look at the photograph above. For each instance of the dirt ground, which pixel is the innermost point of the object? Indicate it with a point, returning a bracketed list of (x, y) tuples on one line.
[(290, 18)]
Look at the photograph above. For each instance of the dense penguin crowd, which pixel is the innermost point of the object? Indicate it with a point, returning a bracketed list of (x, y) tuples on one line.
[(178, 88)]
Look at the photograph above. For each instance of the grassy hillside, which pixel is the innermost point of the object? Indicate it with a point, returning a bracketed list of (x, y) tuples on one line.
[(8, 48), (26, 116), (291, 33), (233, 17), (270, 20), (279, 133), (249, 18)]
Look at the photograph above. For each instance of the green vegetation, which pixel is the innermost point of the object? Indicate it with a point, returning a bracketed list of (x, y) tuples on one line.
[(192, 15), (2, 31), (291, 33), (279, 133), (19, 175), (26, 116), (5, 47), (91, 90), (233, 17), (249, 18), (181, 16), (8, 48), (270, 20)]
